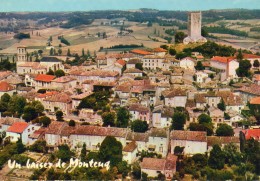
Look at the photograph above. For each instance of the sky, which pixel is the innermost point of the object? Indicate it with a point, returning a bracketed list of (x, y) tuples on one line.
[(88, 5)]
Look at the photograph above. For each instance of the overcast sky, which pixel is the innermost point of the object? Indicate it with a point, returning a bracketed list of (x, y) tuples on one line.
[(86, 5)]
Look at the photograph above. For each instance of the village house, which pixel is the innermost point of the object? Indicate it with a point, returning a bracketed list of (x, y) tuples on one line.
[(140, 53), (217, 116), (193, 115), (235, 117), (152, 62), (193, 141), (61, 101), (43, 81), (132, 63), (222, 141), (175, 98), (227, 65), (201, 76), (52, 134), (248, 92), (158, 141), (141, 139), (252, 133), (76, 99), (140, 112), (5, 74), (129, 152), (21, 130), (162, 116), (133, 71), (187, 63), (93, 136), (231, 100), (153, 166), (6, 122), (64, 83), (36, 135), (101, 61), (6, 88), (95, 75)]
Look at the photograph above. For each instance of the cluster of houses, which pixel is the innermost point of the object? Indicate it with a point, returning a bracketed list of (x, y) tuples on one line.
[(149, 93)]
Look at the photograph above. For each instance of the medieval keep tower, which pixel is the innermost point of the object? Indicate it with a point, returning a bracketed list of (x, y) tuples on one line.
[(194, 28)]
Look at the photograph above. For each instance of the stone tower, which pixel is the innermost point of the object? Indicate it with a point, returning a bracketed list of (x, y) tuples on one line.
[(21, 54), (194, 28)]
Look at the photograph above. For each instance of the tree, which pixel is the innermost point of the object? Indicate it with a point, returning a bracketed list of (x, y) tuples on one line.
[(16, 105), (178, 150), (68, 53), (139, 126), (240, 55), (50, 39), (252, 153), (111, 150), (199, 66), (20, 148), (83, 52), (224, 130), (59, 116), (179, 36), (5, 98), (256, 63), (123, 168), (178, 121), (202, 127), (204, 32), (59, 51), (232, 154), (136, 170), (244, 68), (216, 158), (172, 51), (45, 121), (108, 119), (64, 153), (51, 51), (39, 146), (123, 117), (72, 123), (221, 105), (83, 152), (204, 118), (50, 72), (139, 66), (59, 73), (29, 113)]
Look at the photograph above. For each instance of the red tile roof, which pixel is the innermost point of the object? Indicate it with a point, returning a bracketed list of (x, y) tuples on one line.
[(130, 147), (189, 135), (5, 87), (121, 62), (18, 127), (252, 133), (153, 164), (257, 77), (250, 56), (159, 50), (255, 100), (44, 78), (222, 59), (141, 52)]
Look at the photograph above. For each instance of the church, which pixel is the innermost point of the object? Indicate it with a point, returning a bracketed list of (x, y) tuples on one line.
[(23, 66)]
